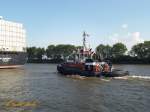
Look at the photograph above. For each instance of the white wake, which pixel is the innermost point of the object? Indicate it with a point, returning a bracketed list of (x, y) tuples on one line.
[(140, 77), (134, 77)]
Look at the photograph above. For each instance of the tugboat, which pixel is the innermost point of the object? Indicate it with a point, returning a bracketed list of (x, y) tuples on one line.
[(84, 65)]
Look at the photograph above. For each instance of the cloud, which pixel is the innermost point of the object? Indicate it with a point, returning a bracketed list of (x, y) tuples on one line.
[(115, 34), (124, 26), (126, 37), (136, 37), (128, 34)]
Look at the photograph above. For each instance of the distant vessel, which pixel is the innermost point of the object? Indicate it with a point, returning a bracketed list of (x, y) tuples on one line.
[(12, 44)]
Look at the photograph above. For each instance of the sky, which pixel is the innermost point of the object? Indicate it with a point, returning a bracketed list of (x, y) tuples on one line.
[(63, 21)]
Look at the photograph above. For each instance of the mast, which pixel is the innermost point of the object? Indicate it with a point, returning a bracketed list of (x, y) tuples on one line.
[(84, 40), (84, 52)]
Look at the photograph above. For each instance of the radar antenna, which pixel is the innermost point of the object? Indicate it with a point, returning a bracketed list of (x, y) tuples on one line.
[(84, 40)]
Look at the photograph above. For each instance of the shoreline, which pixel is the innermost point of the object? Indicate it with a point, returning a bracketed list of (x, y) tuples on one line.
[(61, 61)]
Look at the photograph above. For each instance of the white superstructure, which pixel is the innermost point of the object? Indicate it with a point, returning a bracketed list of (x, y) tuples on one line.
[(12, 36)]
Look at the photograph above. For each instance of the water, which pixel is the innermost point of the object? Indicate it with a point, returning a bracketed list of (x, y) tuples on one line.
[(55, 93)]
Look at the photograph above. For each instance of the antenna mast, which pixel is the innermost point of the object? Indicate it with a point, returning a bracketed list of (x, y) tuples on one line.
[(84, 40)]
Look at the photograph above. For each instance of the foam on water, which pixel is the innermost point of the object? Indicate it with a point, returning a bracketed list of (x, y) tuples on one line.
[(134, 76), (140, 77)]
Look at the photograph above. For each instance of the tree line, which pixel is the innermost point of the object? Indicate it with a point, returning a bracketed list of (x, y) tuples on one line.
[(52, 54), (117, 53)]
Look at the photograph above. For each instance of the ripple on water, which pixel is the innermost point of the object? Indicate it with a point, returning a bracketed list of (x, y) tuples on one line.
[(56, 93)]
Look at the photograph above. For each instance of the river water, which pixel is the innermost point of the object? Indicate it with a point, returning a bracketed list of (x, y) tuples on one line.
[(52, 92)]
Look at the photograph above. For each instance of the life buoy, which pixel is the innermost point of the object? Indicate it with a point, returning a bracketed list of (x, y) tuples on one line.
[(97, 68), (106, 68)]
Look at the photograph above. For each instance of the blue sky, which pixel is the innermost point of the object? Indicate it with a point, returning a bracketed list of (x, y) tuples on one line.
[(63, 21)]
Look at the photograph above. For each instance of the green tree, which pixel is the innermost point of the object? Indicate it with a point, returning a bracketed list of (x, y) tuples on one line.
[(61, 50), (50, 51), (103, 51), (35, 53), (78, 47), (141, 50), (147, 49), (40, 52), (31, 51), (118, 49)]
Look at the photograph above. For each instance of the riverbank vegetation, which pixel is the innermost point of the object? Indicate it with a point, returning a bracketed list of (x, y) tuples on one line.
[(117, 53)]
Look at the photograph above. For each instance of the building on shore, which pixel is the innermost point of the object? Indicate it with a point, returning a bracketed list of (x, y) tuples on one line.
[(12, 44)]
